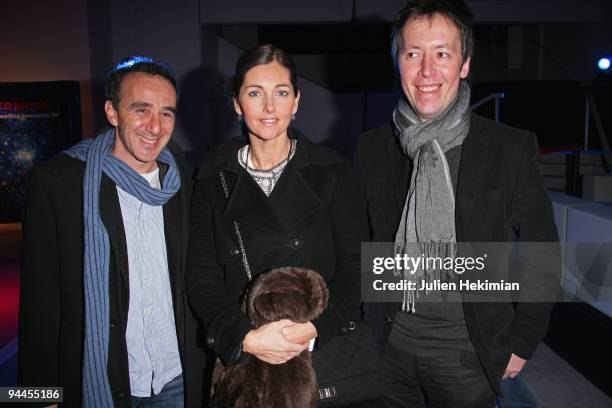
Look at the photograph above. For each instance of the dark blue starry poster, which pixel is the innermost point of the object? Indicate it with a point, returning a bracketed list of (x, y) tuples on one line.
[(37, 121)]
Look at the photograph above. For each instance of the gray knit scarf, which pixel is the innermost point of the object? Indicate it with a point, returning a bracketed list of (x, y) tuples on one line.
[(427, 226), (96, 153)]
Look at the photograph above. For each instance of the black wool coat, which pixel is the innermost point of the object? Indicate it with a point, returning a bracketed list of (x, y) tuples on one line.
[(51, 317), (314, 218), (500, 191)]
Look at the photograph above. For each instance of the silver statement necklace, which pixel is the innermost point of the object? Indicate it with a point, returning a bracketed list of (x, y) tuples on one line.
[(265, 179)]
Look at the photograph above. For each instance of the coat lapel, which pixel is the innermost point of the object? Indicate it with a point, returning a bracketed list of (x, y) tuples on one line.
[(248, 204), (110, 213), (292, 197), (173, 225), (290, 202), (475, 160), (173, 233), (400, 167)]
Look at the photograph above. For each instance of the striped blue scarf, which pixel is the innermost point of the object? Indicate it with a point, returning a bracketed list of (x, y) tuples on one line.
[(96, 153)]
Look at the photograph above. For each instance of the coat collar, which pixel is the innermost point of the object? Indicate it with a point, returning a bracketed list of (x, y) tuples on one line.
[(292, 199)]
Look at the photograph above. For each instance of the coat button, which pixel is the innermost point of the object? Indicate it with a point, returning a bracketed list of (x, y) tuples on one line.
[(113, 323), (210, 341), (235, 252), (295, 243), (388, 320)]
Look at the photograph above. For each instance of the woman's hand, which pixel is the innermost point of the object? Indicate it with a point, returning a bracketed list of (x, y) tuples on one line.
[(268, 343), (300, 332)]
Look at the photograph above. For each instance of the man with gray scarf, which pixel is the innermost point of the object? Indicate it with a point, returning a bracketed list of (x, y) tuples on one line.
[(437, 175)]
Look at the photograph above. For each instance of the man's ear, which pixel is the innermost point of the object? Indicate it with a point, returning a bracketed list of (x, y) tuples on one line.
[(111, 113)]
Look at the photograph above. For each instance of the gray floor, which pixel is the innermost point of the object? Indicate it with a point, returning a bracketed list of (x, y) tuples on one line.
[(555, 384)]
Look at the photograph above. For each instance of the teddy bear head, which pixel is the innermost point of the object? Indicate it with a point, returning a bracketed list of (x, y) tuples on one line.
[(298, 294)]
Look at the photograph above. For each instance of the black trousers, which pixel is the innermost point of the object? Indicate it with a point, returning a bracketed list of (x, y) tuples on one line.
[(452, 379)]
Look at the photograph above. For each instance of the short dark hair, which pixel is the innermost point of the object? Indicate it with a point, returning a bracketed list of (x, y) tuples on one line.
[(261, 55), (137, 63), (456, 10)]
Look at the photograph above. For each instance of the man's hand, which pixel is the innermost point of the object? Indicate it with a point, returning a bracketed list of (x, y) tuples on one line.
[(300, 332), (515, 366), (268, 343)]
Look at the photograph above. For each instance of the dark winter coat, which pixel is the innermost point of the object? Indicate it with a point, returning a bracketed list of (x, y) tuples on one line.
[(500, 192), (52, 309), (314, 218)]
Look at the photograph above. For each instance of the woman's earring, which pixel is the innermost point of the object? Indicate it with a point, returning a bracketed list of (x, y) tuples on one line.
[(240, 117), (293, 116)]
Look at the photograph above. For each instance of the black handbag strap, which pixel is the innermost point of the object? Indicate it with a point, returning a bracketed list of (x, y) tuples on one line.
[(245, 262)]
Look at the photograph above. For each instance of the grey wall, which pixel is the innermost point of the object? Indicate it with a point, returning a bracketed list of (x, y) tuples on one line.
[(164, 30)]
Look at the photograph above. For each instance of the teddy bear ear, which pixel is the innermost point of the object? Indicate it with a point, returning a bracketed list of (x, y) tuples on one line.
[(266, 308), (261, 284), (250, 295), (320, 291), (313, 286)]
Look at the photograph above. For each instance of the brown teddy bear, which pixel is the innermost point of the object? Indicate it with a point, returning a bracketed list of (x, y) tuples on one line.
[(298, 294)]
